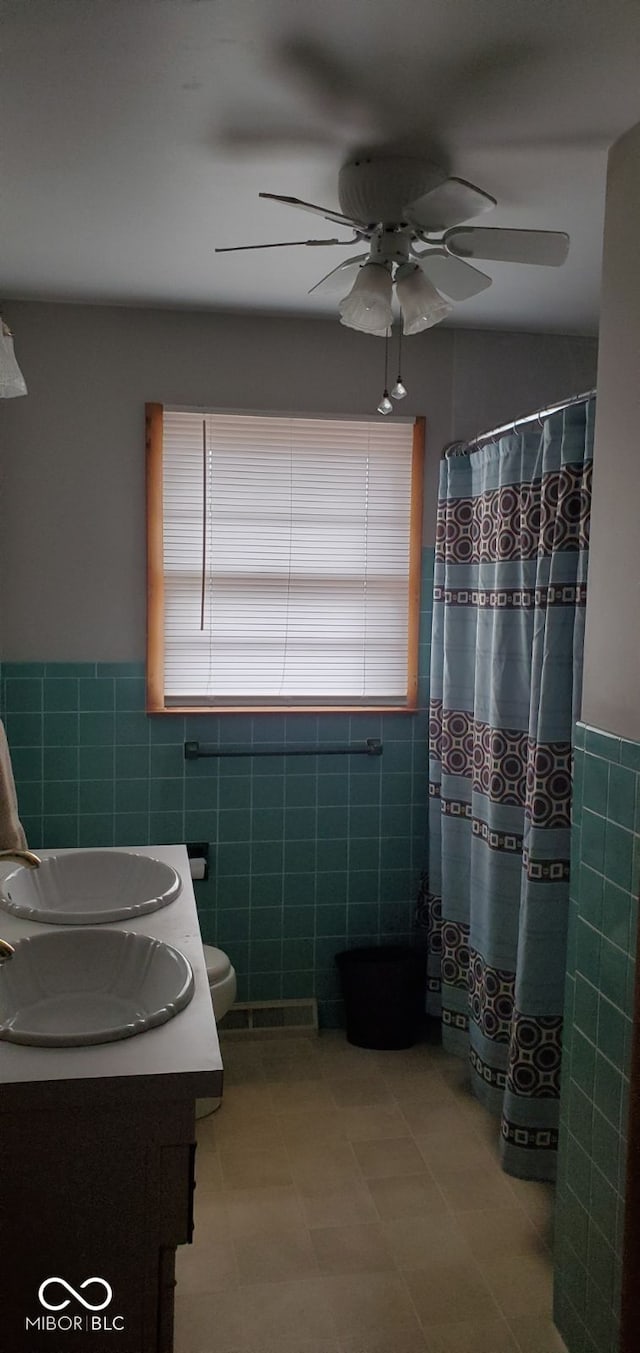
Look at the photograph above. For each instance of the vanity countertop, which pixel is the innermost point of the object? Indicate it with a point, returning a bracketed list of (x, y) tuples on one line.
[(178, 1060)]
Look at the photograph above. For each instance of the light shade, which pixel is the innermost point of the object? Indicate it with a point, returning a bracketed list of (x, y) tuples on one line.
[(421, 304), (12, 381), (368, 305)]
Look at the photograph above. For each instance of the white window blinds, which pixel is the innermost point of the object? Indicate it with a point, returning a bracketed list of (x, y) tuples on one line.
[(286, 559)]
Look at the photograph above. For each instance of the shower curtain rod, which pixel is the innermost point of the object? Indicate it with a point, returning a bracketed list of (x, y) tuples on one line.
[(465, 448)]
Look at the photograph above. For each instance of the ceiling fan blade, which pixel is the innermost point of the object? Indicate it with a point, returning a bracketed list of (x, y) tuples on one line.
[(449, 274), (338, 274), (326, 212), (279, 244), (546, 247), (450, 202)]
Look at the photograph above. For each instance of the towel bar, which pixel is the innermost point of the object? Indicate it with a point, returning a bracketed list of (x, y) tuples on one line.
[(372, 747)]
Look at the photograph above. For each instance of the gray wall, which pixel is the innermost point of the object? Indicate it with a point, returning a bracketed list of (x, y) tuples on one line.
[(72, 533), (611, 696)]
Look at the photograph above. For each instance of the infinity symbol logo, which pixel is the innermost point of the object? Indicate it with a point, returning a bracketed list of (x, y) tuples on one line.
[(98, 1306)]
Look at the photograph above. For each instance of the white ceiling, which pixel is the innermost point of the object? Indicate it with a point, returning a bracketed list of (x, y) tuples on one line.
[(136, 135)]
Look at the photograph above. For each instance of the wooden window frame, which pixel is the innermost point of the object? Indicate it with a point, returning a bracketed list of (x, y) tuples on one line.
[(155, 590)]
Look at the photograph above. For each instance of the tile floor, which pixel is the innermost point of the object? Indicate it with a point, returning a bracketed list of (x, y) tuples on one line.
[(351, 1202)]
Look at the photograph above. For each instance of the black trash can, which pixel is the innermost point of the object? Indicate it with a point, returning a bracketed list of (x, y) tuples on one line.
[(384, 990)]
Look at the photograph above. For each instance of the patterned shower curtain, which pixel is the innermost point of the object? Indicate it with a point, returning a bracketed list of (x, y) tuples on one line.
[(508, 623)]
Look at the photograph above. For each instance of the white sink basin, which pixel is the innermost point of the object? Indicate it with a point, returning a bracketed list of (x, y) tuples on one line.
[(89, 887), (74, 987)]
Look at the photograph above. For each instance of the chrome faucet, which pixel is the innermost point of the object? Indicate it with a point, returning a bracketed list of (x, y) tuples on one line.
[(22, 856), (32, 861)]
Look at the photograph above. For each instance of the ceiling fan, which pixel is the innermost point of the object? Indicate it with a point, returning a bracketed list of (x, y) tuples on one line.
[(395, 204)]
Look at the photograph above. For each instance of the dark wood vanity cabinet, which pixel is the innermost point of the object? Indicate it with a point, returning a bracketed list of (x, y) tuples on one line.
[(100, 1189)]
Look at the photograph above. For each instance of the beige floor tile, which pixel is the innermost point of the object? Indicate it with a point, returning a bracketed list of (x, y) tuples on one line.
[(292, 1070), (469, 1190), (478, 1118), (248, 1167), (536, 1198), (205, 1323), (297, 1346), (235, 1122), (352, 1249), (456, 1072), (206, 1266), (249, 1099), (404, 1341), (262, 1211), (288, 1049), (453, 1068), (303, 1119), (258, 1130), (536, 1335), (488, 1130), (433, 1114), (206, 1132), (366, 1122), (521, 1286), (339, 1058), (546, 1231), (369, 1122), (279, 1257), (359, 1090), (489, 1336), (500, 1233), (208, 1171), (312, 1126), (416, 1242), (383, 1158), (247, 1051), (293, 1096), (330, 1162), (419, 1052), (344, 1204), (406, 1196), (415, 1081), (447, 1151), (362, 1302), (449, 1293), (210, 1214), (287, 1310), (237, 1072)]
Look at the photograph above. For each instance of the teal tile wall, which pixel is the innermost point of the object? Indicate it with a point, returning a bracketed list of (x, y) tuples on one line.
[(605, 879), (309, 855)]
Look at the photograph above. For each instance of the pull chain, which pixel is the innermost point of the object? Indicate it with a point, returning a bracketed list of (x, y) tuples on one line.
[(399, 390), (385, 406)]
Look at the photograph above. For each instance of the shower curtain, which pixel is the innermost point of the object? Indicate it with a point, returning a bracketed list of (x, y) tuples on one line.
[(508, 622)]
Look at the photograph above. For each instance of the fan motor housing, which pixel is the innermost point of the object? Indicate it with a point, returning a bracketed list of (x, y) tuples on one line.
[(378, 189)]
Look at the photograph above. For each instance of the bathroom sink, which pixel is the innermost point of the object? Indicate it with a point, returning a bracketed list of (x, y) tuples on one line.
[(75, 987), (89, 887)]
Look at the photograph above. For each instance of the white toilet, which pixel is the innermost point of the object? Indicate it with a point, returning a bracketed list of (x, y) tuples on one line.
[(222, 985)]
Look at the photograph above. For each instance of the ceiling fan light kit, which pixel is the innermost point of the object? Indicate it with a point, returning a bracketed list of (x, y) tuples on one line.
[(392, 204), (421, 304), (367, 306)]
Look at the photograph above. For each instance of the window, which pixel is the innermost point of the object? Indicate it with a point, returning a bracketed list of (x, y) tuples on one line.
[(284, 561)]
